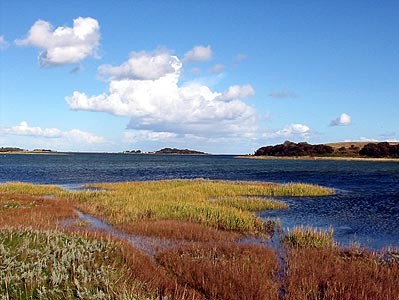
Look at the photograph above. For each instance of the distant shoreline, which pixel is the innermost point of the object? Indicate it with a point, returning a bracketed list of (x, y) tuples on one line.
[(376, 159), (34, 153)]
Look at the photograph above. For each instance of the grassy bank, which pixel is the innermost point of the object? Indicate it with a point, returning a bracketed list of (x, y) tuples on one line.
[(218, 204)]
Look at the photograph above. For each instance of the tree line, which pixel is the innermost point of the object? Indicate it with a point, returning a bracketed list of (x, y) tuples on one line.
[(288, 148)]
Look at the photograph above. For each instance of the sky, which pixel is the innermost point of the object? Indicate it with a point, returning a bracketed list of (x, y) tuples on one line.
[(224, 77)]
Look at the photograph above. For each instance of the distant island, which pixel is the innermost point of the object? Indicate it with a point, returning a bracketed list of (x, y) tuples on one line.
[(167, 151), (339, 150), (11, 149), (20, 150), (132, 152), (179, 151)]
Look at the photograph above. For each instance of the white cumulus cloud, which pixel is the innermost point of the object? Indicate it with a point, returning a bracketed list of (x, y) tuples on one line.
[(161, 105), (142, 65), (238, 92), (291, 131), (198, 53), (24, 129), (343, 120), (294, 129), (63, 45)]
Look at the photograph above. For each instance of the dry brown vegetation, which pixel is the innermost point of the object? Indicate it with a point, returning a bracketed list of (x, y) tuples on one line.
[(33, 211), (333, 274), (177, 230), (228, 271)]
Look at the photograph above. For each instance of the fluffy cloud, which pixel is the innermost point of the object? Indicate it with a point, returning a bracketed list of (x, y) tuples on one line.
[(198, 53), (283, 94), (133, 136), (142, 65), (216, 69), (343, 120), (23, 129), (293, 131), (63, 45), (3, 43), (237, 92), (161, 105)]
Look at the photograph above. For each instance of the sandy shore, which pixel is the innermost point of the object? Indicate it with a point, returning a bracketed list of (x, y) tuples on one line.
[(320, 158)]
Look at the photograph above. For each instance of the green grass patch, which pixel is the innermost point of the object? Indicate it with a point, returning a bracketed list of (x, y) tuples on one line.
[(309, 237)]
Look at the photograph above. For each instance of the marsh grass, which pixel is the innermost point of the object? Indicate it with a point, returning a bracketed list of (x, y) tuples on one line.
[(23, 210), (309, 237), (208, 264), (181, 200), (54, 265), (29, 189), (331, 273), (178, 230), (218, 204), (251, 203), (225, 271)]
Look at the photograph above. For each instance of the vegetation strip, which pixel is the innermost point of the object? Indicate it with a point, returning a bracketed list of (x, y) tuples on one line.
[(219, 204), (339, 150)]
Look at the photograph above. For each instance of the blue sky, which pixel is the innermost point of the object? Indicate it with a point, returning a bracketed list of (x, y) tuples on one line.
[(216, 76)]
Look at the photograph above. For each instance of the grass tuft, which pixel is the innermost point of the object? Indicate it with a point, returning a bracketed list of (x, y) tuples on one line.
[(308, 237)]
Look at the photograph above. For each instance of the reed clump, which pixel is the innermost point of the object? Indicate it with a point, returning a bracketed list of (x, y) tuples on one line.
[(309, 237), (224, 271)]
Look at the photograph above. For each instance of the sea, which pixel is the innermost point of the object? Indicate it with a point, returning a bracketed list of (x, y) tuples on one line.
[(364, 210)]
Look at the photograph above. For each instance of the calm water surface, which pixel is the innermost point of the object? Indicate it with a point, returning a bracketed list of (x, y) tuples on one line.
[(365, 209)]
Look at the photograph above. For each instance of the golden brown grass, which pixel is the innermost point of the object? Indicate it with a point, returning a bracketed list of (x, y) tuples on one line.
[(330, 274), (178, 230), (18, 210), (219, 204), (225, 271)]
